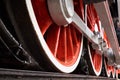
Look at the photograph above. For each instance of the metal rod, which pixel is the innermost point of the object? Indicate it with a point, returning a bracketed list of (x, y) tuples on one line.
[(82, 27), (106, 20)]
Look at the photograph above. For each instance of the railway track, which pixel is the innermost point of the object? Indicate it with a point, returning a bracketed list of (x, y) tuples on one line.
[(13, 74)]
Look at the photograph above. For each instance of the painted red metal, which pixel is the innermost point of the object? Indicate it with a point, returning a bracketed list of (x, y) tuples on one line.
[(63, 41), (93, 19), (109, 69)]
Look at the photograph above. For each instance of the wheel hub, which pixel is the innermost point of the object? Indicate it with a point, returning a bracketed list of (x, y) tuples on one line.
[(69, 8), (61, 11)]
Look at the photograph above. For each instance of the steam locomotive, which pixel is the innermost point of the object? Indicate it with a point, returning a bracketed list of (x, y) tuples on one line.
[(69, 36)]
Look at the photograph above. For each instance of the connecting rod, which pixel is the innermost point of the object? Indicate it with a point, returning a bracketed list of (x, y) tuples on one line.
[(62, 13), (107, 23)]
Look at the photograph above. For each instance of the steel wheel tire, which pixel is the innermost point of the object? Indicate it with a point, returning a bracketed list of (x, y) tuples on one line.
[(94, 24), (53, 47)]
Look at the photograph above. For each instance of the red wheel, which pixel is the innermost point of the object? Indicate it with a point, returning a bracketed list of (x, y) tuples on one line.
[(107, 67), (54, 47), (113, 72), (118, 73), (62, 45), (94, 25), (109, 70)]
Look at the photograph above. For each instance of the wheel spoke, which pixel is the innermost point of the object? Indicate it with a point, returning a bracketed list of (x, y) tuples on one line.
[(79, 8), (52, 38), (62, 47), (75, 39), (61, 44), (96, 57), (108, 69), (42, 14), (70, 52)]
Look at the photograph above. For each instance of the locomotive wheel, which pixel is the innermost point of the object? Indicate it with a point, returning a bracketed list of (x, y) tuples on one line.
[(55, 47), (118, 73), (109, 70), (95, 62)]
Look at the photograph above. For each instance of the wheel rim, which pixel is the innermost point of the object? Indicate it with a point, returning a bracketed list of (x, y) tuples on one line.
[(107, 69), (117, 74), (113, 72), (110, 71), (94, 25), (62, 44)]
